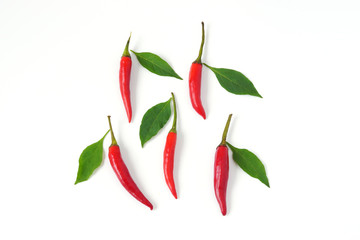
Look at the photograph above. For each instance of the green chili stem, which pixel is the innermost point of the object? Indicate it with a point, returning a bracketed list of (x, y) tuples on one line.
[(113, 140), (223, 141), (198, 60), (126, 52), (173, 129)]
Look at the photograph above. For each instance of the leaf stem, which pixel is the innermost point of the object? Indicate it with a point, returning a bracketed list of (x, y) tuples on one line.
[(113, 140), (126, 52), (198, 60), (173, 129), (207, 66), (223, 140)]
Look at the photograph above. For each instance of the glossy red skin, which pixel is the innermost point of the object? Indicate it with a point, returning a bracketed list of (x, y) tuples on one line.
[(195, 88), (124, 176), (169, 152), (221, 176), (124, 79)]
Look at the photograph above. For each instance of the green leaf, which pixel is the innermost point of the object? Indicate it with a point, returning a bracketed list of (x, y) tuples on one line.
[(234, 81), (155, 64), (90, 159), (250, 163), (153, 120)]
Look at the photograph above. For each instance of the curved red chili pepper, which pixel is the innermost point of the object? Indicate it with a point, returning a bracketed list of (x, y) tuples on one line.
[(221, 175), (169, 153), (124, 79), (195, 80), (221, 170), (123, 173), (195, 88)]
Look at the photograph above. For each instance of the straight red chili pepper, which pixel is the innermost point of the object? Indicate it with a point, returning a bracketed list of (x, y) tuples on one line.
[(122, 171), (195, 80), (169, 153), (221, 170), (124, 79)]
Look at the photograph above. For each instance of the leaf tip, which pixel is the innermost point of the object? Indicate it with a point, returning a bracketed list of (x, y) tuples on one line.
[(265, 181)]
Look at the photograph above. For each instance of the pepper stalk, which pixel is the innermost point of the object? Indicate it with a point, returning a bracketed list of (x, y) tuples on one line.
[(126, 52), (198, 60), (113, 140), (226, 129), (173, 128)]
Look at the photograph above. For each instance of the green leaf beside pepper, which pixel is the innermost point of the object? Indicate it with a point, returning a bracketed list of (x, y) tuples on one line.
[(90, 159), (234, 81), (155, 64), (250, 163), (153, 120)]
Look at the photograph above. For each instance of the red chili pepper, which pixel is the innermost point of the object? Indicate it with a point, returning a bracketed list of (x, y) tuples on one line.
[(221, 170), (122, 171), (169, 152), (195, 80), (124, 79)]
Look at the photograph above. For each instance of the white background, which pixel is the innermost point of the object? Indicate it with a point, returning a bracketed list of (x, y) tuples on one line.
[(59, 65)]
